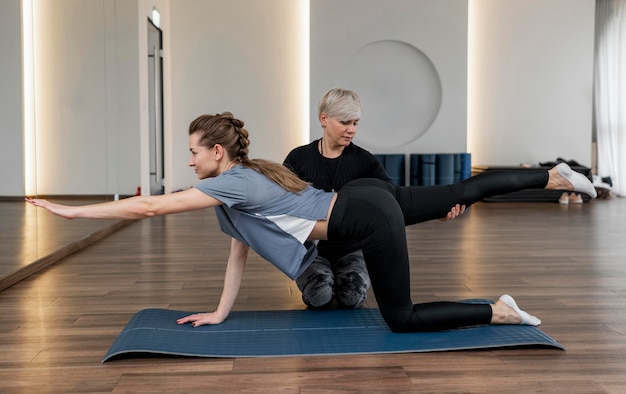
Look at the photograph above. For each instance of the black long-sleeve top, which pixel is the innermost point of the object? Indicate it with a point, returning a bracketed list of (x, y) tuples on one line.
[(332, 174)]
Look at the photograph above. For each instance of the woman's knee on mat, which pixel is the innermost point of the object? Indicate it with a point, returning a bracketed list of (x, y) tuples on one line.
[(400, 319)]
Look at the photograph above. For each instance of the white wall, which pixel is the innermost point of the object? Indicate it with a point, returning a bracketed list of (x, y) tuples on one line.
[(87, 134), (407, 60), (533, 73), (531, 67), (71, 96), (124, 103), (11, 150), (239, 56)]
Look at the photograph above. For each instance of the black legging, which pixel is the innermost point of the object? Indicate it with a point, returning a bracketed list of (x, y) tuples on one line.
[(374, 213)]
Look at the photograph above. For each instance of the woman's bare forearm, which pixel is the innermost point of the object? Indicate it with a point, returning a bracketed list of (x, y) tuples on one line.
[(128, 208), (232, 278), (137, 207)]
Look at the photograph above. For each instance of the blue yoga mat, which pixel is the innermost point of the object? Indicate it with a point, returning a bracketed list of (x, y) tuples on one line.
[(302, 333)]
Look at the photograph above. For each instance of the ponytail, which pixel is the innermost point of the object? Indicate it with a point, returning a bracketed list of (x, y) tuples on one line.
[(229, 132)]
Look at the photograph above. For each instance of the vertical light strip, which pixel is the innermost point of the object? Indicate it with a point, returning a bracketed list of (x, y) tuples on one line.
[(28, 98), (305, 67), (471, 102)]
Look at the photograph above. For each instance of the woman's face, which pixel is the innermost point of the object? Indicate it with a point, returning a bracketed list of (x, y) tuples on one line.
[(340, 132), (203, 160)]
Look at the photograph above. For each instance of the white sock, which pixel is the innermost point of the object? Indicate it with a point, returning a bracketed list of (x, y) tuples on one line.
[(580, 182), (527, 319)]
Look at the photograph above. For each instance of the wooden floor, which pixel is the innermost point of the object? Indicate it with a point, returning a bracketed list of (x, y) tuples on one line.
[(566, 264), (31, 239)]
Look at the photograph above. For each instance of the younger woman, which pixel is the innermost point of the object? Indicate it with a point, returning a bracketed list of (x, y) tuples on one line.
[(263, 205)]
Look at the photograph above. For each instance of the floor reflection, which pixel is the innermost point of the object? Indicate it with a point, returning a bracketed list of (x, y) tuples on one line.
[(28, 234)]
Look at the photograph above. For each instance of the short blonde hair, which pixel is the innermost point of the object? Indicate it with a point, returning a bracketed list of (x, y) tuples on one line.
[(340, 103)]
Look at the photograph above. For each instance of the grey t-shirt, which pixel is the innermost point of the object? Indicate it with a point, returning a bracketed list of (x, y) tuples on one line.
[(271, 220)]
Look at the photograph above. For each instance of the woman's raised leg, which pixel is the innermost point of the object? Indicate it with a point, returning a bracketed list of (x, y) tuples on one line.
[(422, 203)]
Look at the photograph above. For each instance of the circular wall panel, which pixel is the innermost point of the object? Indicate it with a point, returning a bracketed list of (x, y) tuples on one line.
[(400, 92)]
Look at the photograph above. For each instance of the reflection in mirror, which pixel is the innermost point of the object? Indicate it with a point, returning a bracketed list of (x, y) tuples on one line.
[(32, 239), (80, 122)]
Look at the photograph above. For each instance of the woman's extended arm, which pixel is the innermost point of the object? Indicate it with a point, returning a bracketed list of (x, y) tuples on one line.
[(232, 282), (134, 207)]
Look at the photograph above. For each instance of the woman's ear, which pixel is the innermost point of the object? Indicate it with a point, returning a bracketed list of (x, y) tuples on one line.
[(218, 151), (323, 119)]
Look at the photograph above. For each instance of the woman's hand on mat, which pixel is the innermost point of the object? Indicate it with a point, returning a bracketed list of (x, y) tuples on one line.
[(65, 211), (456, 210), (200, 319)]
